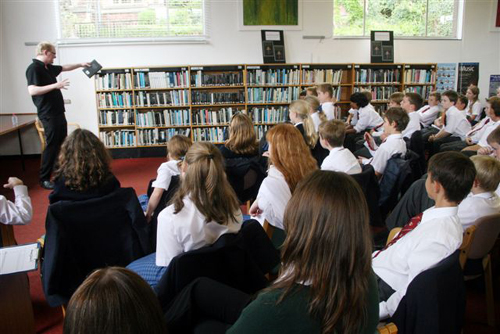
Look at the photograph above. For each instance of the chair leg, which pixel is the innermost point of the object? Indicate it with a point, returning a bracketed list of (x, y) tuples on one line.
[(490, 301)]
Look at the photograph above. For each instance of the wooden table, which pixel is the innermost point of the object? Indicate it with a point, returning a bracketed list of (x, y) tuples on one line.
[(6, 126)]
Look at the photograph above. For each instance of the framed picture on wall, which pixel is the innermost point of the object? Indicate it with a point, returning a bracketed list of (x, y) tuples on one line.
[(495, 16), (270, 14)]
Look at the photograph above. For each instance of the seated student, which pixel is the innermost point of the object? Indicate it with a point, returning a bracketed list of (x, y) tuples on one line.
[(177, 148), (493, 149), (325, 283), (455, 125), (114, 300), (331, 136), (313, 90), (395, 121), (429, 237), (20, 212), (290, 161), (474, 107), (317, 115), (429, 113), (204, 208), (325, 96), (411, 103), (394, 101), (242, 142), (84, 170)]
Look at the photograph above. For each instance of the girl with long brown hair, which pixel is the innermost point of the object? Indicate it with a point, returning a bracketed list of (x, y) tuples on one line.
[(242, 140), (474, 107), (290, 160)]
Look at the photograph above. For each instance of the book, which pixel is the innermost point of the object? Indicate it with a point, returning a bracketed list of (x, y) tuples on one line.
[(92, 69)]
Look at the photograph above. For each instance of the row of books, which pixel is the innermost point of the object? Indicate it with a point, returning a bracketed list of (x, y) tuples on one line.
[(168, 98), (116, 117), (203, 97), (161, 79), (118, 138), (424, 91), (147, 137), (318, 76), (269, 114), (213, 117), (167, 117), (113, 81), (272, 95), (215, 134), (114, 99), (420, 76), (260, 130), (368, 75), (200, 79), (381, 92), (260, 77)]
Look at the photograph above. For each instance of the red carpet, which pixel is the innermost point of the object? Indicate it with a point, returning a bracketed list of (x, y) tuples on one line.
[(136, 173)]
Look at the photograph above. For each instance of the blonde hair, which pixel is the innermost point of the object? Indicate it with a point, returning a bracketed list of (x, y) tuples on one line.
[(312, 91), (487, 171), (44, 46), (326, 88), (396, 97), (314, 105), (178, 146), (301, 108), (206, 185), (333, 132), (290, 154), (242, 138), (368, 94)]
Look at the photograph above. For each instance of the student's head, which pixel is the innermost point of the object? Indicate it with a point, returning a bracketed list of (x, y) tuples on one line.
[(493, 107), (494, 141), (312, 91), (313, 102), (472, 93), (395, 99), (114, 300), (333, 132), (462, 102), (454, 172), (178, 146), (412, 102), (358, 100), (84, 162), (205, 182), (242, 138), (299, 113), (395, 120), (487, 172), (448, 99), (289, 153), (368, 95), (434, 99), (325, 92), (46, 51), (328, 245), (303, 94)]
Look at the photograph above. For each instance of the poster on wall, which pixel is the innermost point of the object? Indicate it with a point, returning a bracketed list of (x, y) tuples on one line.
[(446, 74), (468, 74), (494, 85), (273, 46), (271, 13), (382, 47)]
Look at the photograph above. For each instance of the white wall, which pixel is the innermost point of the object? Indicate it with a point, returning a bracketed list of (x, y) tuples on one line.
[(33, 21)]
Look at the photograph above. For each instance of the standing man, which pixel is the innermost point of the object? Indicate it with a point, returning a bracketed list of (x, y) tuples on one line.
[(47, 97)]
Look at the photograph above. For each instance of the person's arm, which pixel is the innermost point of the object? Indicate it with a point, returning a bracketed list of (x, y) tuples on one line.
[(20, 212), (153, 203), (40, 90), (71, 67), (472, 148), (439, 135), (485, 151)]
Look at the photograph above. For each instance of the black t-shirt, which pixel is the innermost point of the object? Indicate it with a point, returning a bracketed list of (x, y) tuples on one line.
[(51, 103)]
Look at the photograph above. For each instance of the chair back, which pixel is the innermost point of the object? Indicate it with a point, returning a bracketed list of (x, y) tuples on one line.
[(467, 241), (245, 176), (487, 231), (41, 133), (417, 145), (369, 184), (397, 173), (86, 235)]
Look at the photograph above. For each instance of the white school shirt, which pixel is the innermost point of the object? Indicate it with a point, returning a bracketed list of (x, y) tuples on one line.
[(354, 113), (274, 194), (413, 124), (18, 213), (428, 114), (165, 173), (476, 131), (368, 118), (316, 120), (187, 230), (477, 206), (485, 132), (341, 160), (477, 108), (392, 145), (456, 123), (438, 235), (327, 108)]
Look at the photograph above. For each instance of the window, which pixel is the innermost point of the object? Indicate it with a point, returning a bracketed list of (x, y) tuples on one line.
[(407, 18), (91, 20)]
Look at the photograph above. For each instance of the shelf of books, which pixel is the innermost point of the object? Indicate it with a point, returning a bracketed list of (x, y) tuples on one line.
[(420, 78)]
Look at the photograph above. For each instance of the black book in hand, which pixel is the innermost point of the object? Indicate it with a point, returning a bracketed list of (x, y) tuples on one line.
[(92, 69)]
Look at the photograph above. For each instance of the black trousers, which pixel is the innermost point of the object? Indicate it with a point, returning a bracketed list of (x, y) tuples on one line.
[(56, 130)]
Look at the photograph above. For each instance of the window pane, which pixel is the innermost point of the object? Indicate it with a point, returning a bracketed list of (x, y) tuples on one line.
[(404, 17), (348, 17), (441, 18)]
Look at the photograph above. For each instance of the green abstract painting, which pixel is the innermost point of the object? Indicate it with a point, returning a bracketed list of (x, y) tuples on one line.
[(270, 12)]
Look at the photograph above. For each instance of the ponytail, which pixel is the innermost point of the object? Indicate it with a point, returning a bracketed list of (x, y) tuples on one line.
[(301, 108)]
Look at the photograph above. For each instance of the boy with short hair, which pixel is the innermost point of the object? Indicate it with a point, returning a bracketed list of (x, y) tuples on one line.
[(429, 237), (395, 99), (411, 103), (20, 212), (331, 136), (325, 96), (430, 112)]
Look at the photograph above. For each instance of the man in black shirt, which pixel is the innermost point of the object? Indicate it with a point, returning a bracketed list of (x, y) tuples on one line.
[(45, 91)]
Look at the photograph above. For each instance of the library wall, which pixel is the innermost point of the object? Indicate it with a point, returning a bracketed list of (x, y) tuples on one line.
[(34, 21)]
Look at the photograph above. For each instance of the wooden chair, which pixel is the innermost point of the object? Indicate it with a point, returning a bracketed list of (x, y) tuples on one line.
[(41, 131), (392, 234), (389, 328), (466, 244)]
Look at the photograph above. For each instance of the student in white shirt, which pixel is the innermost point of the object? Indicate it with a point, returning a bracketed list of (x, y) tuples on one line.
[(177, 148), (290, 160), (20, 212), (395, 120), (340, 159), (394, 101), (317, 115), (429, 113), (477, 137), (204, 208), (474, 107), (411, 103), (435, 237), (325, 96)]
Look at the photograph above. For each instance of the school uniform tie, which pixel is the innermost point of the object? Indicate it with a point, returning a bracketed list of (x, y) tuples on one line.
[(426, 108), (378, 127), (473, 131), (407, 228)]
